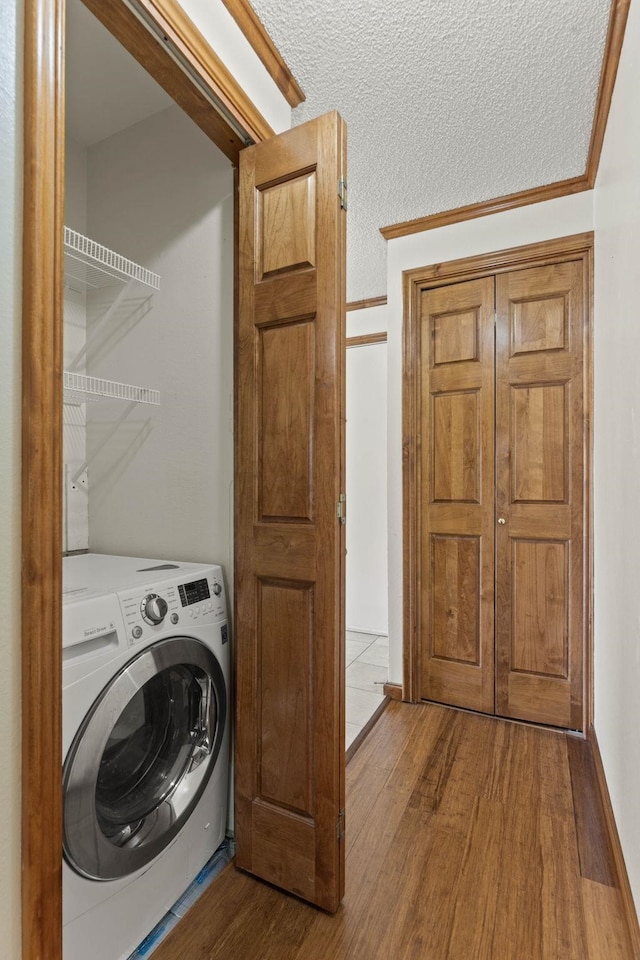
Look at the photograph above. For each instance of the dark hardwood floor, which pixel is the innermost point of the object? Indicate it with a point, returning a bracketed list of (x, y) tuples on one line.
[(468, 838)]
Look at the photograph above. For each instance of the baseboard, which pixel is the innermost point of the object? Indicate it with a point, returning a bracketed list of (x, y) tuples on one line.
[(622, 877), (393, 690), (366, 730)]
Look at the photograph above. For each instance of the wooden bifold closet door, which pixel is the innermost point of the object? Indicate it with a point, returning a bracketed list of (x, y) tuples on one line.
[(502, 494), (290, 544)]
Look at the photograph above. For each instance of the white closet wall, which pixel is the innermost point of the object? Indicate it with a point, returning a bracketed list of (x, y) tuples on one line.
[(74, 495), (160, 193)]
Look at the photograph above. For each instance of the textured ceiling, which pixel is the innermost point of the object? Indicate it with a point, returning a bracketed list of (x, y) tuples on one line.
[(447, 102)]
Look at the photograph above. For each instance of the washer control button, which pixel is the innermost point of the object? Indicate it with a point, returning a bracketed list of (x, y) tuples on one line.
[(153, 608), (217, 589), (136, 632), (174, 618)]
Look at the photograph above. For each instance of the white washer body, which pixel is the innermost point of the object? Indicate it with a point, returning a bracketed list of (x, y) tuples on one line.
[(104, 630)]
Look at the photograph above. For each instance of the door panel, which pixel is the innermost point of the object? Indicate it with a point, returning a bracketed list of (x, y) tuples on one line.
[(456, 431), (457, 494), (540, 495), (455, 622), (538, 431), (286, 422), (540, 607), (289, 543)]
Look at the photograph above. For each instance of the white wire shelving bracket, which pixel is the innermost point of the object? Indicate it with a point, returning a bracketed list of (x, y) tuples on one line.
[(81, 389), (89, 266), (114, 428)]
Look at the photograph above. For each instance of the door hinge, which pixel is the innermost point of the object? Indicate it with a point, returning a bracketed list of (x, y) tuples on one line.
[(341, 508), (340, 828), (342, 193)]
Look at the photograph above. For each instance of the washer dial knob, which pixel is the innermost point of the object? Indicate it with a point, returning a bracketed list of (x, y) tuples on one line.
[(153, 608)]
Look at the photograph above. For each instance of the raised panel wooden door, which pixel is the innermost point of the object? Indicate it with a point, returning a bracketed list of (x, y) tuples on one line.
[(540, 494), (289, 572), (515, 539), (457, 494)]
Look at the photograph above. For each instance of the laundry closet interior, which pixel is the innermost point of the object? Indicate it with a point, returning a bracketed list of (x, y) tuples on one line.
[(147, 497), (154, 478)]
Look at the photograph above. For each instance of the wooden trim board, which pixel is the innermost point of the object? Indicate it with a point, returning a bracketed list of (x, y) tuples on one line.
[(41, 481), (622, 877), (440, 274), (561, 188), (366, 730), (613, 49), (367, 339), (365, 304), (521, 198), (170, 31), (393, 691), (255, 32)]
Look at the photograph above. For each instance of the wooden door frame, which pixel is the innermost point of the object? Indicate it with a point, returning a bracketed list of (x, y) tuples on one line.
[(235, 126), (576, 247)]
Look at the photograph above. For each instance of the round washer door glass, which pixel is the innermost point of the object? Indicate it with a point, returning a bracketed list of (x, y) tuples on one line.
[(142, 757)]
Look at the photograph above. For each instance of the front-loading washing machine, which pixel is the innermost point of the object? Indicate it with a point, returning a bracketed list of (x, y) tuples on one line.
[(145, 743)]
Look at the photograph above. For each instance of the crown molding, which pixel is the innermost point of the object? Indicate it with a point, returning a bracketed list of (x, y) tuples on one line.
[(610, 61), (521, 198), (551, 191), (253, 29)]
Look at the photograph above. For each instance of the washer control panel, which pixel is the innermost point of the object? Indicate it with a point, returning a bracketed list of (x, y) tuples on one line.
[(156, 608)]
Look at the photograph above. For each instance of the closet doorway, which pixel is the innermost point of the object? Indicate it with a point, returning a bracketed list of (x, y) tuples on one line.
[(367, 621), (497, 398)]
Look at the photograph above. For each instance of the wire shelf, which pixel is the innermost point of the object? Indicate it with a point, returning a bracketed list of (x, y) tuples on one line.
[(79, 388), (88, 265)]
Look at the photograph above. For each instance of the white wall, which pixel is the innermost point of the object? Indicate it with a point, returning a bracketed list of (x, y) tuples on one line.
[(617, 452), (75, 185), (366, 577), (542, 221), (161, 194), (11, 113), (75, 512)]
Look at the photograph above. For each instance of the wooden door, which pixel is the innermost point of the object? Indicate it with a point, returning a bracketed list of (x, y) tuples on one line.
[(536, 557), (540, 493), (457, 494), (289, 572)]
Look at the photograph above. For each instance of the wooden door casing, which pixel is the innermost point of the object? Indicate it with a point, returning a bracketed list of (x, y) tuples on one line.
[(540, 475), (290, 350), (457, 494), (556, 326)]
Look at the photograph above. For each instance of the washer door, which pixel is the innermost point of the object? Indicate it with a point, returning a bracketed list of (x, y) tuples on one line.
[(142, 757)]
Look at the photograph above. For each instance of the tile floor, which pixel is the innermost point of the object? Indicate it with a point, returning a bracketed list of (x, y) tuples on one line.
[(367, 670)]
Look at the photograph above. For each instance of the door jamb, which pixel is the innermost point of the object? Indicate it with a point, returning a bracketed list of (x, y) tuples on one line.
[(575, 247), (43, 217)]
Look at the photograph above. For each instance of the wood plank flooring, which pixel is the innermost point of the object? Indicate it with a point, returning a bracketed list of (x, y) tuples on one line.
[(468, 838)]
